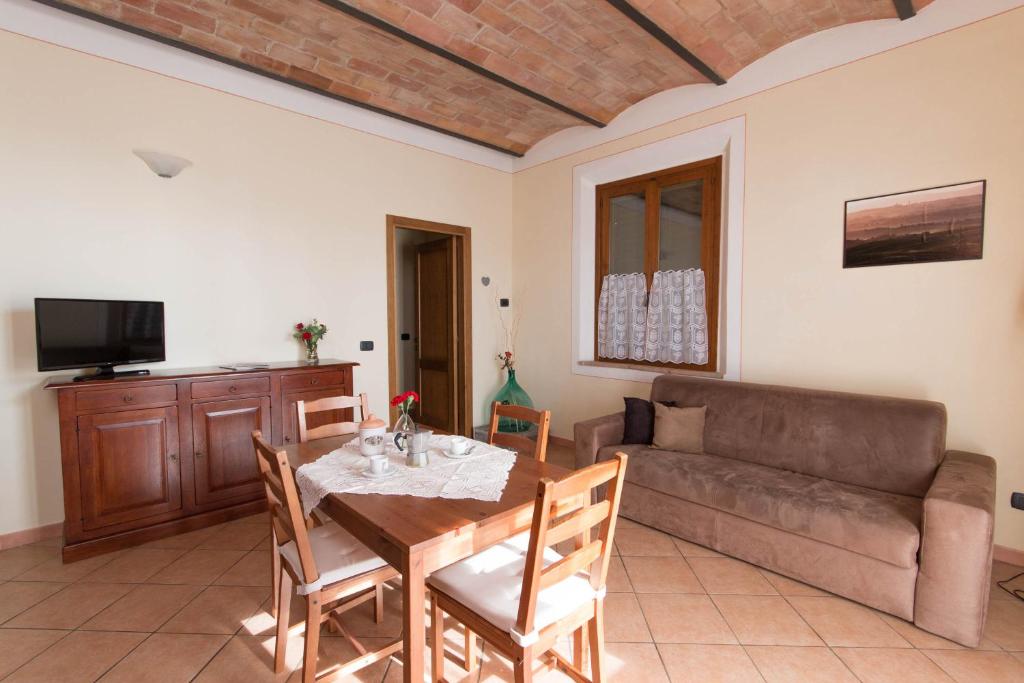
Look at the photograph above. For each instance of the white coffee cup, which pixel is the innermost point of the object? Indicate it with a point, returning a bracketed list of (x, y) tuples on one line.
[(458, 445), (379, 464)]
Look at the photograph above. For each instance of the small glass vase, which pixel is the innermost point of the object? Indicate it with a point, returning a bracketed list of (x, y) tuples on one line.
[(404, 427), (311, 355), (515, 395)]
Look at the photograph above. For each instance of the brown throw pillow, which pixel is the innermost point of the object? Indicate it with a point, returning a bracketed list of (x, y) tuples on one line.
[(679, 429)]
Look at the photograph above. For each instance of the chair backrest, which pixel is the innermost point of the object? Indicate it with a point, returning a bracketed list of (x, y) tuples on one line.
[(284, 505), (541, 418), (567, 510), (323, 405)]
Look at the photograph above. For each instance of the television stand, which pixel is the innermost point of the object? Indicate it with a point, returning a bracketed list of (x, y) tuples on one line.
[(108, 373)]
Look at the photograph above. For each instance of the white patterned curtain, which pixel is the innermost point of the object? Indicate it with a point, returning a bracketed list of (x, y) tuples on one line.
[(622, 317), (677, 320)]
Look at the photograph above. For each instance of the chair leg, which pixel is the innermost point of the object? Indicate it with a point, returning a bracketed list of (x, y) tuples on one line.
[(579, 648), (596, 632), (283, 609), (312, 637), (470, 650), (378, 604), (522, 667), (436, 640), (275, 575)]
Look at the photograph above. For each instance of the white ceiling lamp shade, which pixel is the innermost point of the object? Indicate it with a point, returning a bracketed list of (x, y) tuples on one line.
[(164, 165)]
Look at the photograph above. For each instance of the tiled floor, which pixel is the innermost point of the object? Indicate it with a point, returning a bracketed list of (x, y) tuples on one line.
[(194, 607)]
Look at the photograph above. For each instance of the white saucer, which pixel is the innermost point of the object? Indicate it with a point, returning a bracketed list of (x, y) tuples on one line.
[(456, 456), (383, 475)]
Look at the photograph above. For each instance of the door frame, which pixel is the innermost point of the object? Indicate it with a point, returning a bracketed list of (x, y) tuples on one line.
[(463, 312)]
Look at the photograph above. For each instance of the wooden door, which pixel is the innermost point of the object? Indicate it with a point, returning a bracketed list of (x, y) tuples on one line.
[(129, 464), (225, 463), (436, 369)]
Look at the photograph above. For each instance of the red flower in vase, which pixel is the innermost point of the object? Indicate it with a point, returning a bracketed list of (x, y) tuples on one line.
[(299, 326), (306, 336), (402, 398)]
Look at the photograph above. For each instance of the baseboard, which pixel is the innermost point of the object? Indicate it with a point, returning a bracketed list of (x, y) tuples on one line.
[(1008, 555), (559, 441), (26, 536)]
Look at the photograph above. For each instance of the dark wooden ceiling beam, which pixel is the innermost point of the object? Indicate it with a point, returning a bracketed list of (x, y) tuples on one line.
[(644, 22), (393, 30), (904, 9), (57, 4)]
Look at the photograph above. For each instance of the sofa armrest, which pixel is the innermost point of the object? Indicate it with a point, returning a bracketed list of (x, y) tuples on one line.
[(593, 435), (956, 548)]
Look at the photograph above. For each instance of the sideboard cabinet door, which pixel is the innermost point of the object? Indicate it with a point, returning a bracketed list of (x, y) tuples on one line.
[(129, 464), (224, 457)]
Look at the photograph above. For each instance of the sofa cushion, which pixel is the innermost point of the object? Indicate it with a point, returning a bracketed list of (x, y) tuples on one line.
[(876, 524), (679, 429), (887, 444)]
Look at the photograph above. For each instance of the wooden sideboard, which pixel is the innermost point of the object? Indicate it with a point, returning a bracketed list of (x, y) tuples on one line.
[(148, 457)]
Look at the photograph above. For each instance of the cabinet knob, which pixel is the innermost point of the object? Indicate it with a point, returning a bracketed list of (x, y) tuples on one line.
[(315, 380), (232, 389), (288, 439), (128, 398), (172, 457), (199, 454)]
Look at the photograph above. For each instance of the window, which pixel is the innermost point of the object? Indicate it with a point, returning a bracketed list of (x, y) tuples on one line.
[(666, 227)]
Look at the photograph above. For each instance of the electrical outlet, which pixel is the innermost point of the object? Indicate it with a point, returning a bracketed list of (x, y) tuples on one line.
[(1017, 500), (366, 346), (405, 336), (503, 303)]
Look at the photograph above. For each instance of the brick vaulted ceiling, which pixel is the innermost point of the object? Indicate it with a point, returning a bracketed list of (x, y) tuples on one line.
[(501, 73)]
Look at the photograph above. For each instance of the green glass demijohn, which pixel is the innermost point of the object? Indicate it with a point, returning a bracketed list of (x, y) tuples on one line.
[(515, 395)]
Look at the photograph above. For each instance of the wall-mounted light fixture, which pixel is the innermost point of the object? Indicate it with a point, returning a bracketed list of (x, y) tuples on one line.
[(164, 165)]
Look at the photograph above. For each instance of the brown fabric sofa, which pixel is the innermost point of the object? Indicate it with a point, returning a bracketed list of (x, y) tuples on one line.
[(854, 494)]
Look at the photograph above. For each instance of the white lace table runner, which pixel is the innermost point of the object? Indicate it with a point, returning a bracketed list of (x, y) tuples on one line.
[(482, 475)]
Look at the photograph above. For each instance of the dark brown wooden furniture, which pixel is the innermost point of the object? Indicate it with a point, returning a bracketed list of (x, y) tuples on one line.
[(148, 457), (420, 535)]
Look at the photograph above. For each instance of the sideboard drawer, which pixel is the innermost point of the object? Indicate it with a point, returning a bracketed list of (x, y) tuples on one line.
[(314, 380), (231, 387), (128, 396)]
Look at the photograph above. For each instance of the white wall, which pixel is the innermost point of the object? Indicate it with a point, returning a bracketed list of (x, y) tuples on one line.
[(282, 218)]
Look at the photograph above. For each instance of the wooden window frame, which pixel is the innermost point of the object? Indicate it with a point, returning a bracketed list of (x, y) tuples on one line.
[(651, 184)]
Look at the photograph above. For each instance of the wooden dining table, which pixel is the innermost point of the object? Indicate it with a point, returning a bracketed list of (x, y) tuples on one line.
[(420, 535)]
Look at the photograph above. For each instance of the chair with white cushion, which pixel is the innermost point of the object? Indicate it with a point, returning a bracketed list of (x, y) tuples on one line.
[(520, 596), (325, 565)]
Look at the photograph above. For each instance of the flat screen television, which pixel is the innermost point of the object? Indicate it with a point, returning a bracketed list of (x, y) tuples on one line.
[(85, 333)]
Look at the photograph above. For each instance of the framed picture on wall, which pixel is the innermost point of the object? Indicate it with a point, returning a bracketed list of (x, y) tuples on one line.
[(944, 223)]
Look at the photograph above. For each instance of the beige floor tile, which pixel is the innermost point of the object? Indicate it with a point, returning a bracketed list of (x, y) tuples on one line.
[(18, 646), (250, 659), (799, 665), (453, 673), (661, 575), (644, 541), (187, 541), (1001, 571), (787, 586), (18, 596), (253, 569), (135, 565), (334, 652), (19, 560), (704, 663), (764, 620), (55, 569), (729, 576), (693, 550), (166, 658), (71, 607), (1005, 624), (82, 656), (842, 623), (618, 579), (924, 640), (624, 621), (883, 665), (145, 608), (217, 610), (235, 536), (198, 567), (685, 619), (1018, 655), (629, 662), (975, 666)]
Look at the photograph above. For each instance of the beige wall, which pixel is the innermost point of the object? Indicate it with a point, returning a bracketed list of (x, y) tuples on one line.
[(281, 218), (945, 110)]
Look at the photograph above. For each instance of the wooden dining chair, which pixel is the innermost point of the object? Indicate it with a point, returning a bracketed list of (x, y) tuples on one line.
[(327, 405), (521, 595), (328, 567), (541, 418)]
